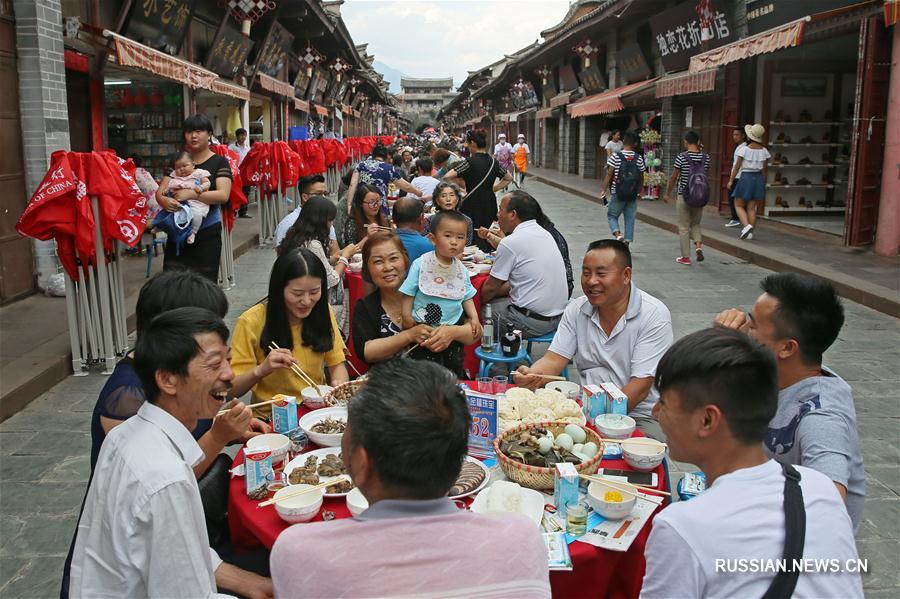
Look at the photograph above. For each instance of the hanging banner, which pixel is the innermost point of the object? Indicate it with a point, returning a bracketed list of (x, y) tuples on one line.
[(632, 64), (273, 57), (160, 25), (592, 80), (677, 35), (228, 54)]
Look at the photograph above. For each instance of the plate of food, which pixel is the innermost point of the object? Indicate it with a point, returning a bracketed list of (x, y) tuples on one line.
[(319, 466), (505, 497), (472, 478)]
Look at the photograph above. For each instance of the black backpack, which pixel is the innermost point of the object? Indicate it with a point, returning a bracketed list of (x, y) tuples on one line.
[(628, 180)]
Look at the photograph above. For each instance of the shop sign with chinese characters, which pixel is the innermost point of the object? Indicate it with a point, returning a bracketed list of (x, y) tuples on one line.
[(160, 24), (229, 53), (763, 15), (678, 36)]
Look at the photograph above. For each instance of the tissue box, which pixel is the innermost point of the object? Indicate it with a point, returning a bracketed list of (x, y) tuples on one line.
[(565, 487), (594, 402), (284, 414), (616, 400)]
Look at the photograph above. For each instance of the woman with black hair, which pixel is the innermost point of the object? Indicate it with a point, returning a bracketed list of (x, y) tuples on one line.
[(365, 217), (377, 170), (297, 318), (479, 171), (204, 254), (311, 231)]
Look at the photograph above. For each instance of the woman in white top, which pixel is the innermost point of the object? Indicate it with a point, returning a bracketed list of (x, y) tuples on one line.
[(311, 231), (750, 162), (740, 141), (614, 144)]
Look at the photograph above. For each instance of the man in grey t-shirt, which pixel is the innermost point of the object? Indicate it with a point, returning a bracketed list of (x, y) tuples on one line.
[(798, 317)]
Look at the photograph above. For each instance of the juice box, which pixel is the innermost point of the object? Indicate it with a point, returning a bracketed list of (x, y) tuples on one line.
[(284, 413), (594, 402), (565, 486), (616, 400), (257, 472)]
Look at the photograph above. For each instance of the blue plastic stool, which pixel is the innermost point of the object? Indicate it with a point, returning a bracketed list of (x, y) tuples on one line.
[(545, 338), (152, 249), (490, 358)]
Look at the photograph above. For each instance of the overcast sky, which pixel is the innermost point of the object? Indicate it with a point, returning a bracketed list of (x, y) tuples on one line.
[(440, 38)]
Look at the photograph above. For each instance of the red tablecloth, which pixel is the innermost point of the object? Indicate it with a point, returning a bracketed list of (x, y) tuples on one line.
[(597, 572), (355, 286)]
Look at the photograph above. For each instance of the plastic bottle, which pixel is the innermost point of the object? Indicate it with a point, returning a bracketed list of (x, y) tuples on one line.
[(487, 336)]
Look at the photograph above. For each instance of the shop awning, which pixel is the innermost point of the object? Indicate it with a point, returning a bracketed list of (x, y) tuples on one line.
[(607, 102), (686, 83), (502, 118), (320, 110), (560, 100), (130, 53), (301, 105), (270, 84), (544, 113), (777, 38), (226, 88)]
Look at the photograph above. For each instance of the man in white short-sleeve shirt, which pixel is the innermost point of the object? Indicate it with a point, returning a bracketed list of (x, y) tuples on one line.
[(527, 287), (615, 333), (142, 532), (718, 392), (312, 185)]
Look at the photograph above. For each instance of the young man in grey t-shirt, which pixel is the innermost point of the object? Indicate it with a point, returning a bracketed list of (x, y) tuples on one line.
[(798, 317)]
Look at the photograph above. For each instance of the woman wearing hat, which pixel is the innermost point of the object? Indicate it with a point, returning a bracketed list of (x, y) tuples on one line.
[(750, 161)]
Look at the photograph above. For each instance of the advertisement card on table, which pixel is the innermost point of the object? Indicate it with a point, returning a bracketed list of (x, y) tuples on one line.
[(482, 424), (615, 535)]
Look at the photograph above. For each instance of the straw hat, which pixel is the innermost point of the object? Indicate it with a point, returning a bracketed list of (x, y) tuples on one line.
[(755, 132)]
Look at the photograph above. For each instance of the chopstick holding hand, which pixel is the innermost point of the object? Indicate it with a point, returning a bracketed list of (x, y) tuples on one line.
[(232, 424), (277, 358)]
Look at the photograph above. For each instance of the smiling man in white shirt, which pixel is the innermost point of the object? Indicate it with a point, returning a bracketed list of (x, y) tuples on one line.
[(143, 532), (615, 332)]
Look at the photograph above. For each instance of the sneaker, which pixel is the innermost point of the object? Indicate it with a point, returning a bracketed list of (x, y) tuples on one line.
[(733, 223), (746, 231), (682, 260), (749, 236), (618, 236), (699, 255)]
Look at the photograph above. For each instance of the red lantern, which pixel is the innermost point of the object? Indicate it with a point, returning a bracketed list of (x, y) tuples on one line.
[(127, 98), (156, 97), (141, 98)]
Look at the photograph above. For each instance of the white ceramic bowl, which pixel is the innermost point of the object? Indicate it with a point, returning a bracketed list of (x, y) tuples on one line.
[(314, 397), (611, 510), (644, 456), (356, 502), (321, 439), (275, 442), (301, 508), (567, 388), (615, 426)]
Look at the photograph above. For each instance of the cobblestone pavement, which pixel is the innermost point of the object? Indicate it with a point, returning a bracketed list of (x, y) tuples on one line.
[(44, 449)]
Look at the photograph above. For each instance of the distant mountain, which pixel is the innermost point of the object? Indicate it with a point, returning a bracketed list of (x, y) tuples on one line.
[(390, 74)]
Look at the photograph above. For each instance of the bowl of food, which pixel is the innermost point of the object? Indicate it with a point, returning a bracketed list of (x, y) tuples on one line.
[(277, 443), (314, 397), (615, 426), (340, 395), (528, 453), (568, 388), (325, 427), (298, 508), (644, 454), (356, 502), (609, 501)]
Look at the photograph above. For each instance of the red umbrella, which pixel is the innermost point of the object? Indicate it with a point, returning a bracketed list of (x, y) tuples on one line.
[(236, 199), (256, 169)]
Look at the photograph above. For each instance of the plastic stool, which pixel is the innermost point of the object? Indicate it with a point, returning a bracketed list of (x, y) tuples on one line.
[(490, 358), (545, 338), (152, 249)]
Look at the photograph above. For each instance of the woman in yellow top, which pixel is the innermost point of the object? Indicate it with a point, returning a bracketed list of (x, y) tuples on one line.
[(297, 318), (520, 157)]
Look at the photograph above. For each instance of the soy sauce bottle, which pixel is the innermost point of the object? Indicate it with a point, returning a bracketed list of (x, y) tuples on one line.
[(511, 342)]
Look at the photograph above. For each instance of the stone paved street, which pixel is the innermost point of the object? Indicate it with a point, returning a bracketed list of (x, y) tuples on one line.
[(44, 448)]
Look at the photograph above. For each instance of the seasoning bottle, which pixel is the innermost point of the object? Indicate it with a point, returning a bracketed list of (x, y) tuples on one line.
[(511, 342), (487, 335)]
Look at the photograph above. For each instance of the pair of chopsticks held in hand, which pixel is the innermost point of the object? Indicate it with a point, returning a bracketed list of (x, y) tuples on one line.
[(294, 368)]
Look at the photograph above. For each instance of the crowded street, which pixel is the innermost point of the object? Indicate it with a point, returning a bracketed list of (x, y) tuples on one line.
[(600, 300)]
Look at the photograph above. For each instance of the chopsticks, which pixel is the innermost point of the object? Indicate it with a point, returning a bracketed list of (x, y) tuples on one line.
[(629, 488), (549, 377), (298, 492), (253, 405), (407, 352), (640, 441), (297, 370)]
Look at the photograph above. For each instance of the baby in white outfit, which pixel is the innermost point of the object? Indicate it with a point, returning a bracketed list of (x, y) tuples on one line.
[(186, 176)]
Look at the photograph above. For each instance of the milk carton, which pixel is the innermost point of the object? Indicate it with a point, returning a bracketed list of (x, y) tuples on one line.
[(565, 486), (594, 402), (616, 400), (257, 472), (284, 413)]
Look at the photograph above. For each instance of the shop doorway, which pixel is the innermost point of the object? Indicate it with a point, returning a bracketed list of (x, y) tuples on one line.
[(78, 103)]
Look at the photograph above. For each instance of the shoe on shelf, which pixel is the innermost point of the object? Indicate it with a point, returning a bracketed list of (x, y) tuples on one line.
[(785, 204), (784, 160), (683, 260), (780, 138), (733, 223), (809, 203), (748, 230), (805, 116), (776, 159), (808, 140), (803, 181), (778, 177), (699, 254), (784, 181), (805, 160), (779, 201)]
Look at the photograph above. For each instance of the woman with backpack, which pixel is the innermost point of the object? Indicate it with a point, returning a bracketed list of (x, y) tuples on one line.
[(750, 161), (624, 172), (691, 171)]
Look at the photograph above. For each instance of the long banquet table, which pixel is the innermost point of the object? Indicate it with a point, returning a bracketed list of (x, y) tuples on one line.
[(597, 572)]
